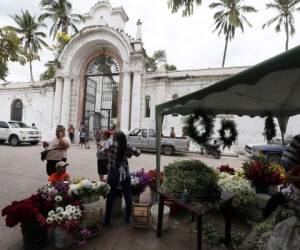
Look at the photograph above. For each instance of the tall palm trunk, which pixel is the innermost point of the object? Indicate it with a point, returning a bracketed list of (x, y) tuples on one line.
[(30, 64), (31, 74), (287, 34), (225, 51)]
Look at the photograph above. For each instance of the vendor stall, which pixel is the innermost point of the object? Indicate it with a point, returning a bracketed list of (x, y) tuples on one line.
[(268, 88)]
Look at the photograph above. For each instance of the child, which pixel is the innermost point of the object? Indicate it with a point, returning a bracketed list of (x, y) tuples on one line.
[(61, 174)]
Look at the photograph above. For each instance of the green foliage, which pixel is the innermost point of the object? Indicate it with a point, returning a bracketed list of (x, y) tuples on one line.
[(187, 5), (170, 67), (195, 177), (50, 71), (228, 17), (270, 128), (284, 17), (60, 13), (10, 50), (30, 36), (159, 57)]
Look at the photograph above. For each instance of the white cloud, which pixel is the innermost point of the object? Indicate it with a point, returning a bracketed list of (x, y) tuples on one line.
[(189, 42)]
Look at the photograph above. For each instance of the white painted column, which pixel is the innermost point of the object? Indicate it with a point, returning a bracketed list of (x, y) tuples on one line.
[(65, 107), (125, 106), (136, 100), (57, 102)]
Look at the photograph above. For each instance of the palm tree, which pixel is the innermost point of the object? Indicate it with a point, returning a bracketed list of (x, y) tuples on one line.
[(30, 36), (59, 11), (286, 9), (228, 18), (187, 5)]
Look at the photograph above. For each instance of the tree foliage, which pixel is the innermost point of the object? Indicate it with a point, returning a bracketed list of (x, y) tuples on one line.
[(60, 13), (228, 17), (10, 50), (159, 58), (285, 17), (186, 5), (30, 36)]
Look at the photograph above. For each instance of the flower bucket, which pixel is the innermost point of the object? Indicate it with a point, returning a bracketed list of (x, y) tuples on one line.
[(261, 188), (154, 215), (61, 238), (34, 235), (92, 213), (153, 194)]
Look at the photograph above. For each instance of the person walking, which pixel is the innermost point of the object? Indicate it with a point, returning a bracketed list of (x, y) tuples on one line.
[(71, 131), (118, 173), (87, 136), (57, 149), (82, 137), (102, 158)]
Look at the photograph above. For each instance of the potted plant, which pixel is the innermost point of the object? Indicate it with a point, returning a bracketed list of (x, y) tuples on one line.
[(30, 214), (139, 182), (262, 174)]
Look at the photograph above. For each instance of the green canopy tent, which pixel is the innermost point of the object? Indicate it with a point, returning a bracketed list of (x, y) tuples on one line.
[(270, 87)]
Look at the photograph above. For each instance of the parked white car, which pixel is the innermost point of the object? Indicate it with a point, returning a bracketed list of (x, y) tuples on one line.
[(16, 132)]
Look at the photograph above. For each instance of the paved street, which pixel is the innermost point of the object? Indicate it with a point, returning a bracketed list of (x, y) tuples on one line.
[(22, 172)]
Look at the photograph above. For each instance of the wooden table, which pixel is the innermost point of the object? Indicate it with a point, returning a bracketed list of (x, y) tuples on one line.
[(198, 210)]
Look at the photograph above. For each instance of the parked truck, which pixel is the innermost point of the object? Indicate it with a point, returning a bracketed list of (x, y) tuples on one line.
[(145, 139)]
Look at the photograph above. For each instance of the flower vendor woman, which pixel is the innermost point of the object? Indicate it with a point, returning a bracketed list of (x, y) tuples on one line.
[(118, 173), (61, 174)]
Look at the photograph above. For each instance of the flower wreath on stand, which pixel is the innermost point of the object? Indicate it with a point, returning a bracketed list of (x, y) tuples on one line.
[(270, 128), (206, 121), (228, 125)]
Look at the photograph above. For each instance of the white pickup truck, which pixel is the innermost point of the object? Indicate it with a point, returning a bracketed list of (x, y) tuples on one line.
[(16, 132), (145, 139)]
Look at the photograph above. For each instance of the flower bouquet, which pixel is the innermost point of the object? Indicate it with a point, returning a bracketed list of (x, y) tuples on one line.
[(30, 213), (152, 176), (240, 187), (67, 224), (139, 181), (263, 173), (88, 191)]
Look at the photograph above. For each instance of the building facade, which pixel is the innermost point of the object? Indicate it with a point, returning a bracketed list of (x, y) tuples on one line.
[(102, 80)]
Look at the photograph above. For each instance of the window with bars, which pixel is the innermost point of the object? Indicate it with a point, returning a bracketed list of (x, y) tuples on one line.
[(16, 110)]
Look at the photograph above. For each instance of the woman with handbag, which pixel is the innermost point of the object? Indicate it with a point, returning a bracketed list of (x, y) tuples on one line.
[(57, 149)]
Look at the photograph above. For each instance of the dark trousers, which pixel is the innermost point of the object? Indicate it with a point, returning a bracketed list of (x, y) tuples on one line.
[(71, 135), (51, 166), (276, 200), (113, 181)]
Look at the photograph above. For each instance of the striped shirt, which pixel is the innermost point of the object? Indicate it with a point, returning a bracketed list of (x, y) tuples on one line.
[(291, 156)]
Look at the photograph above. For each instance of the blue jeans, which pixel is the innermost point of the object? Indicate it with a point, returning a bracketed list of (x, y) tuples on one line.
[(113, 181)]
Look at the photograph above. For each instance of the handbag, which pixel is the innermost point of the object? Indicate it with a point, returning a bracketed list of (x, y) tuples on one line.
[(44, 154)]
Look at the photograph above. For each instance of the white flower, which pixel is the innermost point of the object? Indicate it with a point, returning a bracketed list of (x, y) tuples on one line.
[(58, 198), (86, 184), (51, 213), (135, 181), (49, 220), (59, 209)]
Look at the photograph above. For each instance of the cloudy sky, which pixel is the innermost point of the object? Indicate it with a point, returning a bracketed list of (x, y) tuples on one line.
[(189, 41)]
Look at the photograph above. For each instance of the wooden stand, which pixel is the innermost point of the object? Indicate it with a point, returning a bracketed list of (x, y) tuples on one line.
[(141, 215), (198, 210)]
